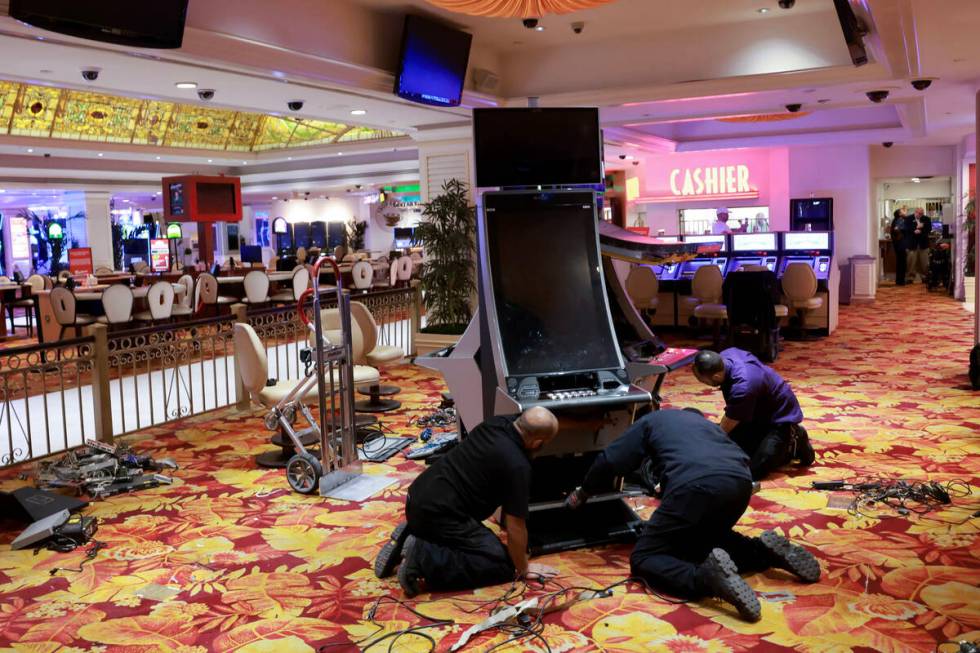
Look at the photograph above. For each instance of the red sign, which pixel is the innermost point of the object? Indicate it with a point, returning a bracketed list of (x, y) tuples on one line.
[(160, 254), (643, 231), (80, 260)]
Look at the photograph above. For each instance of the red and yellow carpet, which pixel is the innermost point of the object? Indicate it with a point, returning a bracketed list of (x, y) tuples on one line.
[(227, 559)]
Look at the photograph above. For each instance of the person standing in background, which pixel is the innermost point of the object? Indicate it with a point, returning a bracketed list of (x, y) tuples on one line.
[(921, 229), (900, 246), (721, 222)]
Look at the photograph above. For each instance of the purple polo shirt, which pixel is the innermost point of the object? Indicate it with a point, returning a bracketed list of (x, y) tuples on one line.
[(754, 393)]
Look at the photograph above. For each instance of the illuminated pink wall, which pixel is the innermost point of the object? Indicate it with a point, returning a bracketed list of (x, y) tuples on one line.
[(729, 173)]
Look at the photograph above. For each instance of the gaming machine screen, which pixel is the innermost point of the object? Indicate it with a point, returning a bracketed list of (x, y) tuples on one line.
[(544, 263)]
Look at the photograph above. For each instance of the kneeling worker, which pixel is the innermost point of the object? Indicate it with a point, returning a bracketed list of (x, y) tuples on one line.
[(762, 415), (688, 547), (444, 545)]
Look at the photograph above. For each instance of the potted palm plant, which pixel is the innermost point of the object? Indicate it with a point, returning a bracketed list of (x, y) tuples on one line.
[(448, 278)]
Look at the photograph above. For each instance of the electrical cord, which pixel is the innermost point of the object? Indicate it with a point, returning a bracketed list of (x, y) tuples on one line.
[(904, 497), (90, 553)]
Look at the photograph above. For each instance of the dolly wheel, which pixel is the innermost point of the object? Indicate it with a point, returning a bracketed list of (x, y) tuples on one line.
[(303, 473)]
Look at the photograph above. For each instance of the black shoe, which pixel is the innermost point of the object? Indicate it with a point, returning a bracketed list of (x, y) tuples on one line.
[(721, 575), (791, 557), (804, 450), (409, 574), (391, 553)]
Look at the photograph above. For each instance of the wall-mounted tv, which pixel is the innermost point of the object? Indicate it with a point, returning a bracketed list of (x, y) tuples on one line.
[(537, 147), (818, 212), (158, 24), (432, 65)]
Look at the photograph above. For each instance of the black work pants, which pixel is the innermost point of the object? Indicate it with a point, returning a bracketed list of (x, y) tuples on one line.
[(690, 521), (901, 265), (456, 552), (769, 446)]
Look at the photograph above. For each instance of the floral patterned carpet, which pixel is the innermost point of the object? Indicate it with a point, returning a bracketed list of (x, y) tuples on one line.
[(227, 559)]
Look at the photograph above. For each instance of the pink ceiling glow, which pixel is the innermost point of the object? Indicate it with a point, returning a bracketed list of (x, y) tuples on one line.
[(516, 8)]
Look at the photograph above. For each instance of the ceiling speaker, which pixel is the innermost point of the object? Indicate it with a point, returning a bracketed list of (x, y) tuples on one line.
[(485, 80)]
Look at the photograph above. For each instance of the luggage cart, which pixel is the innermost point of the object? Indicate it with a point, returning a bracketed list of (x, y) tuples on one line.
[(332, 375)]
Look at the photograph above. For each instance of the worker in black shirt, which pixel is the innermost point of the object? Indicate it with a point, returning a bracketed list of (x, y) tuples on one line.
[(688, 547), (900, 245), (443, 545)]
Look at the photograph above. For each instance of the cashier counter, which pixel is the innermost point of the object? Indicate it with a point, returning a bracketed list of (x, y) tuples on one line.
[(774, 250)]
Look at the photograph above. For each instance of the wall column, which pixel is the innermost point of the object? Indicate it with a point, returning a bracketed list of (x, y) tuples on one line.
[(99, 227)]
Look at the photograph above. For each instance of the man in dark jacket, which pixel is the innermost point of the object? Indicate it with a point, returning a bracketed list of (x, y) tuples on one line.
[(900, 246), (762, 414), (443, 545), (921, 229), (688, 547)]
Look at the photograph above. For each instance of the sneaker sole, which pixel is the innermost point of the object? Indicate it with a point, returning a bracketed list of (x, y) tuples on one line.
[(391, 553), (735, 590), (796, 559), (407, 584)]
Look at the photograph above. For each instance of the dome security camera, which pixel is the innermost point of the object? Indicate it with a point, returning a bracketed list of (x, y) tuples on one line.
[(578, 27), (787, 4), (921, 84), (622, 156), (530, 23), (877, 96), (206, 94), (887, 144), (295, 105), (636, 163), (794, 108), (90, 74)]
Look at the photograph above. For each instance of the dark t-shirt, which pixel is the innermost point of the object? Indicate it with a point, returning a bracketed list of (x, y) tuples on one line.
[(487, 470), (900, 232), (924, 225), (755, 393), (683, 445)]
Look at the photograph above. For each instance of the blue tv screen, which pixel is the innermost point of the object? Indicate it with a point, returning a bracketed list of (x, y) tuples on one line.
[(432, 67)]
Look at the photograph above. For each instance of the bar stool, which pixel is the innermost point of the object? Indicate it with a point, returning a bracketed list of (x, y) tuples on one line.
[(160, 300), (117, 300), (376, 355), (184, 306)]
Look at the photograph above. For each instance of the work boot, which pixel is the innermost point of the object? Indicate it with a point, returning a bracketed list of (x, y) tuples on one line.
[(794, 559), (409, 574), (803, 451), (721, 576), (391, 553)]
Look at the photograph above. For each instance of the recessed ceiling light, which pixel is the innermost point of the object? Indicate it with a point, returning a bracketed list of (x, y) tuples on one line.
[(244, 163), (289, 158), (274, 197), (186, 84), (539, 28), (340, 154), (629, 157), (357, 112), (916, 180), (30, 149), (158, 158), (100, 153), (763, 10), (209, 160), (3, 190)]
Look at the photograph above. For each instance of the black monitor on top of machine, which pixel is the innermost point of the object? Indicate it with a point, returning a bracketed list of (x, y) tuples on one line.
[(815, 248), (754, 249)]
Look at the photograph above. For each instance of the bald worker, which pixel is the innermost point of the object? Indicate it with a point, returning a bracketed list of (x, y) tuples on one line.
[(443, 545)]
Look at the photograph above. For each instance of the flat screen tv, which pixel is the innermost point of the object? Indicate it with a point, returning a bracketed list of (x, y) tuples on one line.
[(559, 323), (537, 147), (818, 212), (336, 234), (251, 253), (404, 236), (432, 65), (318, 234), (301, 235), (157, 24)]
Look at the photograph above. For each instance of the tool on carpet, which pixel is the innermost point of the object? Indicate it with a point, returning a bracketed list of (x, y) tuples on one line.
[(100, 470)]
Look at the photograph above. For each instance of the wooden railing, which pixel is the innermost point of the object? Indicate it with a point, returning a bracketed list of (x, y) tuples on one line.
[(111, 383)]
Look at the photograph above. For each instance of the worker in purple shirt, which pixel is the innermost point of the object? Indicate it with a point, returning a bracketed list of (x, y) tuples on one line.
[(762, 414)]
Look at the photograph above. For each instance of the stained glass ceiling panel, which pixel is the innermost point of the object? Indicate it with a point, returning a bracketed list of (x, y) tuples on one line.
[(42, 111)]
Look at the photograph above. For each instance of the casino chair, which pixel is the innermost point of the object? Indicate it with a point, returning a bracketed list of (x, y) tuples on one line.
[(706, 289), (363, 275), (375, 355), (752, 297), (256, 287), (208, 295), (643, 287), (253, 368), (800, 291)]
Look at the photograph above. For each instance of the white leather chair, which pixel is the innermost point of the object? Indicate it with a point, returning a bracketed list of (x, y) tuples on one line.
[(800, 290), (375, 355), (363, 275), (36, 283), (208, 292), (256, 287), (64, 308), (706, 287), (103, 270), (643, 287), (117, 300), (160, 300), (184, 305), (404, 272), (301, 281)]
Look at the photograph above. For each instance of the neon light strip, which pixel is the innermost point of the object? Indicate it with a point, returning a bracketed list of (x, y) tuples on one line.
[(663, 199)]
